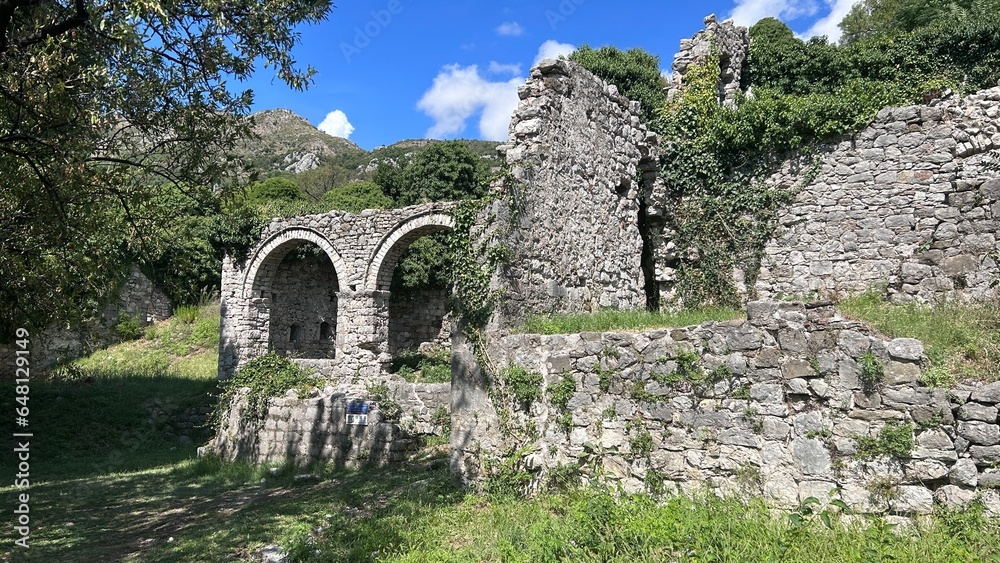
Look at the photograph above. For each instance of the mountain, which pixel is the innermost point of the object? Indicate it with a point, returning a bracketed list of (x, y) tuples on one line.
[(289, 144)]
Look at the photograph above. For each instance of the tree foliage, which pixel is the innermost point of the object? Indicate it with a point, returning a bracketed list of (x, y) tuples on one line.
[(102, 105), (357, 197), (272, 189), (445, 171), (635, 72), (878, 18)]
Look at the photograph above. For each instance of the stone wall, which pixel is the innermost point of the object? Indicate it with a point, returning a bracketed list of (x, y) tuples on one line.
[(575, 151), (304, 307), (315, 429), (137, 296), (361, 250), (730, 41), (776, 405), (420, 321), (912, 201)]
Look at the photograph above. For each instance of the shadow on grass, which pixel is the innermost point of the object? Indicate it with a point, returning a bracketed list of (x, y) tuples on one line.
[(99, 425), (206, 510)]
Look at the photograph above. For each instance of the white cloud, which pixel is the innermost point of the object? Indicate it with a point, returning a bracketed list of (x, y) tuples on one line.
[(497, 68), (336, 124), (552, 49), (828, 25), (512, 29), (460, 92), (749, 12)]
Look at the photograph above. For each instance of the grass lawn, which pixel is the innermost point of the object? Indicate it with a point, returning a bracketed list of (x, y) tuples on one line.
[(609, 320), (962, 342)]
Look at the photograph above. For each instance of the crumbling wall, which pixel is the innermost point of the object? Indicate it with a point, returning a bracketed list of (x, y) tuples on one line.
[(420, 321), (304, 305), (362, 250), (574, 155), (317, 429), (787, 404), (730, 41), (911, 201), (138, 297)]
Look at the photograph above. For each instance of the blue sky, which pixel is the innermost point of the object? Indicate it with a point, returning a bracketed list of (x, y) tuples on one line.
[(400, 69)]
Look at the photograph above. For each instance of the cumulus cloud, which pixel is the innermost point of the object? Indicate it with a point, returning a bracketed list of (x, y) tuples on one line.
[(336, 124), (497, 68), (511, 29), (749, 12), (552, 49), (459, 92), (828, 24)]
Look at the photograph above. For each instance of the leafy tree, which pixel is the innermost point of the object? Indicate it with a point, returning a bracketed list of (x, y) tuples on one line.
[(275, 189), (444, 171), (876, 18), (635, 72), (780, 60), (357, 197), (102, 104)]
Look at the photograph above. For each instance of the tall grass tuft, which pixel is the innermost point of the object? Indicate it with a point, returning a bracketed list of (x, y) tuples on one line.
[(962, 341), (613, 320)]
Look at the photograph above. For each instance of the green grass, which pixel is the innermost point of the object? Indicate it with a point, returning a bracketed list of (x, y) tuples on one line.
[(962, 342), (613, 320), (418, 367), (205, 510), (112, 411)]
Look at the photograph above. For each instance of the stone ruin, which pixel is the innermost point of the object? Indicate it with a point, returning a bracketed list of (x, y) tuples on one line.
[(784, 403)]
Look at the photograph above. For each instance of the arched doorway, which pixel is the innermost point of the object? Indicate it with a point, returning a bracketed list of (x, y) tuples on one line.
[(295, 288)]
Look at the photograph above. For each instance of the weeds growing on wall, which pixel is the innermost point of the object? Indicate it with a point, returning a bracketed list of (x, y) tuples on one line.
[(266, 377)]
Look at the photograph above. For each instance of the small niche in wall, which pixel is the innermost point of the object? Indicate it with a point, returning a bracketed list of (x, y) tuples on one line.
[(295, 333), (324, 331)]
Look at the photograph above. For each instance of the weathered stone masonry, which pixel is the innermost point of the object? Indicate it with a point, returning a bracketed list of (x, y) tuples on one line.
[(576, 153), (912, 201), (777, 410), (332, 310), (314, 429)]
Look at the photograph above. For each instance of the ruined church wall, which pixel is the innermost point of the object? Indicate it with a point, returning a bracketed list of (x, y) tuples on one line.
[(138, 297), (912, 202), (304, 294), (778, 406), (314, 429), (420, 321), (358, 242), (574, 154)]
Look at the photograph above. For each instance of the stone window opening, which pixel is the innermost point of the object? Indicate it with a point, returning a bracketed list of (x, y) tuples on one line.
[(324, 331), (295, 333)]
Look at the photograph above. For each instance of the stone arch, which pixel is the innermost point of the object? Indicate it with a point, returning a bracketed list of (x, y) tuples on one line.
[(268, 255), (395, 243), (293, 295)]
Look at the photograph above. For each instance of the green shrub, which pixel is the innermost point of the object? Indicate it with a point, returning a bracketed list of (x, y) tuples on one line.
[(129, 327), (266, 377), (872, 370), (186, 314), (894, 440), (562, 392), (523, 386)]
